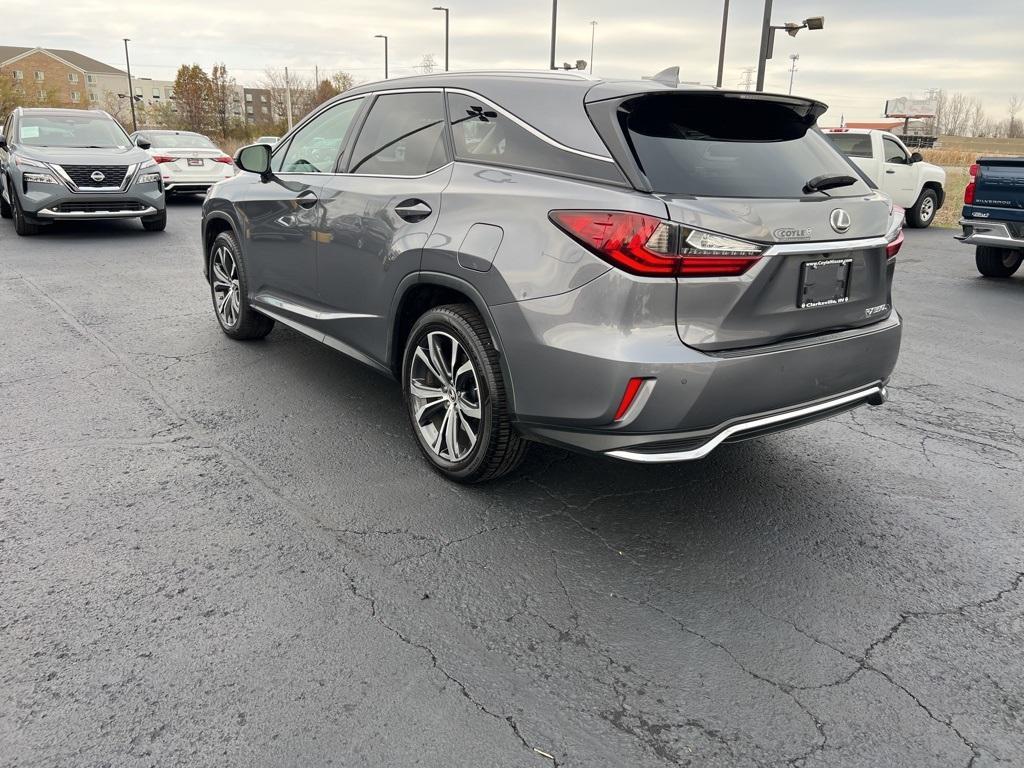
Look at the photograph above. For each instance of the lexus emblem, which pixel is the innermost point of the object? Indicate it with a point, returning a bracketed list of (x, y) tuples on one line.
[(840, 220), (98, 177)]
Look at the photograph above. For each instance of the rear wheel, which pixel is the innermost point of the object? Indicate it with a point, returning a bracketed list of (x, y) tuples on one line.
[(997, 262), (923, 212), (229, 290), (22, 225), (156, 223), (456, 399)]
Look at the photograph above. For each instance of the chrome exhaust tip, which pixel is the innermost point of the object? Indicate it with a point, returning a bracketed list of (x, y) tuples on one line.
[(879, 397)]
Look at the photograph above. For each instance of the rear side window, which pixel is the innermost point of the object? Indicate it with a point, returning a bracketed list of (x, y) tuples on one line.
[(483, 135), (403, 136), (715, 145), (851, 144), (316, 146)]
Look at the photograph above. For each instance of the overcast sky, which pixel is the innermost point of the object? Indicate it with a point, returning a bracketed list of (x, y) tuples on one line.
[(870, 50)]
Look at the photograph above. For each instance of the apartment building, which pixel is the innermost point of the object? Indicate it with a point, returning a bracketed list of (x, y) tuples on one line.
[(60, 77)]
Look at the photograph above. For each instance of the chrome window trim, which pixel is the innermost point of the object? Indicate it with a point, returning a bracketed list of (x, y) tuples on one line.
[(527, 127), (829, 246)]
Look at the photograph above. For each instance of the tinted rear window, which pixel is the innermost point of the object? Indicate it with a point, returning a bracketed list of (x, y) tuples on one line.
[(852, 144), (715, 145)]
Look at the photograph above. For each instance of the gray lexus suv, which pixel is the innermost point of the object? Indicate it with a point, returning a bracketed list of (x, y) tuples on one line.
[(624, 268), (73, 164)]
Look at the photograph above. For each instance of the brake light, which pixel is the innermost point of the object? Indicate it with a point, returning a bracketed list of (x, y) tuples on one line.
[(648, 246), (971, 186), (224, 159), (163, 159), (893, 247)]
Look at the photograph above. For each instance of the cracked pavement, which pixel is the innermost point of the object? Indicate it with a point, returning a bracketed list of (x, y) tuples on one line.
[(215, 553)]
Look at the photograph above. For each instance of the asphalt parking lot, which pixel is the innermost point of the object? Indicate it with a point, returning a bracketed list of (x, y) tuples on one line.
[(215, 553)]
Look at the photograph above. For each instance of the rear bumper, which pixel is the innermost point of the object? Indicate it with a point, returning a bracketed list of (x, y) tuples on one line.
[(997, 234), (570, 363), (182, 185)]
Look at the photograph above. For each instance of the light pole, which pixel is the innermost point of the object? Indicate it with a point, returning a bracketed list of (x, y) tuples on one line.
[(794, 57), (442, 8), (768, 37), (554, 26), (593, 29), (385, 39), (721, 47), (131, 88)]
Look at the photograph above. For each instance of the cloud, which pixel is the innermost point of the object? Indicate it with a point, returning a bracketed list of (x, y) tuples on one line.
[(870, 50)]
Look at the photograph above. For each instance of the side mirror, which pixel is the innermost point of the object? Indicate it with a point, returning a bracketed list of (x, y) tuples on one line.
[(142, 143), (916, 158), (254, 158)]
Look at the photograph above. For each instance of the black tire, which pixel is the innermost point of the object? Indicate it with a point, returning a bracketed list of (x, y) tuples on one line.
[(245, 322), (498, 448), (156, 223), (22, 225), (5, 207), (922, 214), (997, 262)]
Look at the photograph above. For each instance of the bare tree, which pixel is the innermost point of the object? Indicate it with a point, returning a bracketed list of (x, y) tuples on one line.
[(978, 118), (1013, 107), (956, 114), (222, 94)]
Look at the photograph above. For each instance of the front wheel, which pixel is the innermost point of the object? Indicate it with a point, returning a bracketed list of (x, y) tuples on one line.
[(229, 288), (456, 399), (997, 262), (923, 212), (22, 224), (156, 222)]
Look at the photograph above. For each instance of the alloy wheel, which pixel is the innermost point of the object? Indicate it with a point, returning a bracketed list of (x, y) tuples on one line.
[(445, 394), (225, 286)]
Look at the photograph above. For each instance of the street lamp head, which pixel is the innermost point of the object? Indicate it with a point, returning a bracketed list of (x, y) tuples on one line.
[(439, 8), (815, 22), (385, 37)]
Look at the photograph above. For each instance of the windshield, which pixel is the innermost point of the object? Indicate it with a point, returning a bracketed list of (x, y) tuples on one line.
[(179, 141), (71, 131), (718, 145)]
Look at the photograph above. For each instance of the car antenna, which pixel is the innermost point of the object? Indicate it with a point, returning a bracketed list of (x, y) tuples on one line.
[(668, 76)]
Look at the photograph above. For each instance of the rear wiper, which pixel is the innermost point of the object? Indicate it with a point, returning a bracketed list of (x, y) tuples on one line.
[(827, 181)]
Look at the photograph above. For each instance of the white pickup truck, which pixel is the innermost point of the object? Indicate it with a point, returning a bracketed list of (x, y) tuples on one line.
[(911, 183)]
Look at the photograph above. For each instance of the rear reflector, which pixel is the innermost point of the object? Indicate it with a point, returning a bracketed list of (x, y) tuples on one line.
[(632, 389), (651, 247)]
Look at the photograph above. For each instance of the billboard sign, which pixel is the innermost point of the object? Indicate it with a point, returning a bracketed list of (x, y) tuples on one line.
[(910, 107)]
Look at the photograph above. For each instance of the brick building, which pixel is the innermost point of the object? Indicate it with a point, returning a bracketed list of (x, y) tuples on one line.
[(60, 77)]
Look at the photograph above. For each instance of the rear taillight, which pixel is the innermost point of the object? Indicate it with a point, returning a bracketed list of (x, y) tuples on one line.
[(893, 247), (649, 246), (224, 159), (971, 185), (163, 159)]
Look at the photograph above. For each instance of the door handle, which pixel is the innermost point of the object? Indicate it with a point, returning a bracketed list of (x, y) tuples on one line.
[(413, 210), (890, 171), (307, 199)]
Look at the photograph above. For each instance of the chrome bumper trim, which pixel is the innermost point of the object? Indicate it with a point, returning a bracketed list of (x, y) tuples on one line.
[(48, 213), (875, 395), (993, 233), (828, 246)]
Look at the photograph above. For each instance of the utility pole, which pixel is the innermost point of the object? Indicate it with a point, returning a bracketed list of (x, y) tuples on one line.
[(288, 98), (385, 39), (794, 57), (593, 29), (554, 28), (442, 8), (316, 76), (766, 33), (131, 88), (721, 47)]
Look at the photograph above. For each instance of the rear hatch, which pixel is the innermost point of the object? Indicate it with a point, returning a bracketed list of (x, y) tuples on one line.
[(738, 165), (999, 184)]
